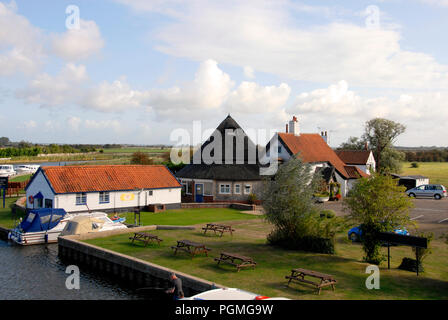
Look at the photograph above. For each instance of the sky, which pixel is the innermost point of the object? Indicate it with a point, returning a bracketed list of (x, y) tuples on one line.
[(134, 71)]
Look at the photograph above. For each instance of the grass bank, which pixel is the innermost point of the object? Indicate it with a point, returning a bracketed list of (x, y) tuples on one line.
[(437, 172), (7, 220), (275, 263)]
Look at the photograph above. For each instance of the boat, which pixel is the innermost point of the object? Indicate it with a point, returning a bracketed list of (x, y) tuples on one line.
[(7, 170), (230, 294), (95, 222), (27, 168), (46, 225)]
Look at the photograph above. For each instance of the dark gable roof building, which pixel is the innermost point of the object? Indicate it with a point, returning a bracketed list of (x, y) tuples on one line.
[(313, 149), (225, 168)]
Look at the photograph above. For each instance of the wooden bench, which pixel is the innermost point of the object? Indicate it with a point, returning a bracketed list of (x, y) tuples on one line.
[(191, 247), (145, 238), (236, 260), (299, 276), (218, 228)]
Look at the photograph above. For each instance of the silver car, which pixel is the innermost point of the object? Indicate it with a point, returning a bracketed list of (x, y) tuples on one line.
[(436, 191)]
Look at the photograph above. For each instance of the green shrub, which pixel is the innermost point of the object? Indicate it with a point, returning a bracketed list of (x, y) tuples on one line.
[(252, 198), (410, 264), (306, 243), (414, 165), (327, 214)]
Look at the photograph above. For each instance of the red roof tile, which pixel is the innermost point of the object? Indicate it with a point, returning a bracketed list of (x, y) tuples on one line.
[(70, 179), (355, 172), (313, 148), (353, 156)]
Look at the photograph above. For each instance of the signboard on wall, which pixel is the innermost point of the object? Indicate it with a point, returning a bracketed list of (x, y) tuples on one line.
[(127, 196)]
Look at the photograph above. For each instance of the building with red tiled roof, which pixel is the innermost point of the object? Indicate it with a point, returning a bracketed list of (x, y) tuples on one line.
[(313, 149), (108, 188), (363, 159)]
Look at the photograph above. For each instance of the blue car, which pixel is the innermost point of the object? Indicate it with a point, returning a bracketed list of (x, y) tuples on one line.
[(355, 233)]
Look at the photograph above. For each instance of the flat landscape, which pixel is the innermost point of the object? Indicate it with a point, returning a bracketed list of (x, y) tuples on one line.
[(275, 263), (437, 172)]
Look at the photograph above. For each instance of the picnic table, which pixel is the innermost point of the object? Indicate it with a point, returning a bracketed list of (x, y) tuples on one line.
[(191, 247), (236, 260), (299, 276), (218, 228), (145, 238)]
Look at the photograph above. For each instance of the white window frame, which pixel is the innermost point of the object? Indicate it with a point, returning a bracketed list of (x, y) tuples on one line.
[(187, 186), (239, 188), (226, 186), (104, 197), (245, 188), (79, 197)]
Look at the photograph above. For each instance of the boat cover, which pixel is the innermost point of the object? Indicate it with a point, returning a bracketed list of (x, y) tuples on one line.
[(42, 219)]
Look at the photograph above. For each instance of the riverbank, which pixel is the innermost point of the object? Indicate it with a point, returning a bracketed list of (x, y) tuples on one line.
[(274, 263)]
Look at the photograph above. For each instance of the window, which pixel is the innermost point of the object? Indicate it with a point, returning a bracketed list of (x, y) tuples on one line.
[(48, 203), (81, 198), (104, 197), (237, 188), (39, 202), (208, 186), (279, 149), (186, 187), (150, 192), (247, 189), (224, 188)]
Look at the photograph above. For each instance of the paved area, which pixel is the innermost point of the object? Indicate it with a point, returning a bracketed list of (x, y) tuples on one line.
[(431, 215)]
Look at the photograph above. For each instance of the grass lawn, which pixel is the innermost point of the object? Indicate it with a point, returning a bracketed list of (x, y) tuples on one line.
[(182, 217), (274, 263), (21, 178), (6, 218), (437, 172)]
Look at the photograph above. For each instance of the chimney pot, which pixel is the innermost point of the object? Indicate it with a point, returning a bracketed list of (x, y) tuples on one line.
[(286, 128)]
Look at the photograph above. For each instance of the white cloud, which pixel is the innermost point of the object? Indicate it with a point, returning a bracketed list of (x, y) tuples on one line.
[(115, 96), (440, 3), (51, 91), (74, 123), (29, 124), (78, 44), (266, 36), (21, 48), (251, 97), (206, 92), (249, 72)]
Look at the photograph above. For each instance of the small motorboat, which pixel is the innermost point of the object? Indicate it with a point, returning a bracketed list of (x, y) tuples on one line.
[(46, 225), (7, 170), (27, 168), (40, 226), (230, 294), (94, 222)]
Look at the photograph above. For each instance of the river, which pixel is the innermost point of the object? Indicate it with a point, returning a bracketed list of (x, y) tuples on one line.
[(36, 272)]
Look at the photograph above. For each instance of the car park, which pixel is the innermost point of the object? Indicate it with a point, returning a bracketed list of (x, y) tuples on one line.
[(436, 191), (355, 233)]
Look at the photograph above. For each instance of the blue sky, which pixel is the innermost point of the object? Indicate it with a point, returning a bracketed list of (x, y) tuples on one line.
[(136, 70)]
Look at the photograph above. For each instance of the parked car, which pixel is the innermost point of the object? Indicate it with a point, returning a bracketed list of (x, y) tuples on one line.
[(436, 191), (355, 233)]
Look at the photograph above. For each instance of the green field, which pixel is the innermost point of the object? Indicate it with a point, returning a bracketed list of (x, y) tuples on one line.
[(274, 263), (136, 149), (7, 220), (437, 172)]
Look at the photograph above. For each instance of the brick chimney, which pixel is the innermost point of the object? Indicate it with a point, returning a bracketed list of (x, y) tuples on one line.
[(294, 126), (324, 135)]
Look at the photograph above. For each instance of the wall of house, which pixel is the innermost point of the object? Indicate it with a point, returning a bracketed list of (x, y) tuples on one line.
[(119, 200), (41, 185), (256, 188), (343, 183)]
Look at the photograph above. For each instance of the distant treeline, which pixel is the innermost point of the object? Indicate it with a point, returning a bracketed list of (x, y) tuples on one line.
[(30, 151), (435, 155)]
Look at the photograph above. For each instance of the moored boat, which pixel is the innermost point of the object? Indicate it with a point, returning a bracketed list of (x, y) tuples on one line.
[(7, 170)]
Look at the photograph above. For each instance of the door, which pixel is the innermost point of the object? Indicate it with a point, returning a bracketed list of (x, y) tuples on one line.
[(420, 191), (199, 192)]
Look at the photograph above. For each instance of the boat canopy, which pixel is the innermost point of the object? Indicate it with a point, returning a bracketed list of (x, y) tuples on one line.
[(42, 219)]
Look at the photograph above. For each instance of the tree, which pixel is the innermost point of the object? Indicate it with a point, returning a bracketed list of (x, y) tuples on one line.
[(288, 203), (380, 134), (141, 158), (353, 143), (378, 204), (4, 141)]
